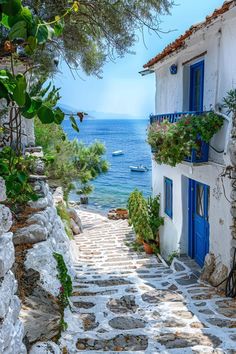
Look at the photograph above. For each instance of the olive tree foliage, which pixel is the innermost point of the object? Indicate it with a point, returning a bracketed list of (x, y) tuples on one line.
[(100, 30)]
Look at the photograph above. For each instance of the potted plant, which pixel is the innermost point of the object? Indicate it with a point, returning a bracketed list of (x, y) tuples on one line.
[(84, 192), (155, 220), (144, 216), (174, 142)]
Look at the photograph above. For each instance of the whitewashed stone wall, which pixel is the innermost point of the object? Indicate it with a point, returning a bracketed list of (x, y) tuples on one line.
[(45, 231), (11, 328)]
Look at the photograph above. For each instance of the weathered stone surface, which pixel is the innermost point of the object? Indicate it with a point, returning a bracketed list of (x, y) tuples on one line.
[(83, 304), (45, 348), (7, 253), (30, 234), (5, 219), (184, 340), (123, 305), (44, 319), (90, 293), (126, 323), (3, 195), (187, 280), (110, 282), (219, 274), (11, 331), (74, 216), (209, 266), (219, 322), (41, 203), (227, 308), (118, 343), (7, 291), (157, 296), (74, 227), (89, 321)]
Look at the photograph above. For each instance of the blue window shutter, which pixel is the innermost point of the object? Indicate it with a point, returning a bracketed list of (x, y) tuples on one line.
[(169, 197)]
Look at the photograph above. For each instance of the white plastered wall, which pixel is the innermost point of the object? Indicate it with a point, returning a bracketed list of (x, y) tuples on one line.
[(219, 42)]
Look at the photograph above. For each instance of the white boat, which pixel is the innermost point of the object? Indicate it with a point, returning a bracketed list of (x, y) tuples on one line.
[(139, 168), (118, 153)]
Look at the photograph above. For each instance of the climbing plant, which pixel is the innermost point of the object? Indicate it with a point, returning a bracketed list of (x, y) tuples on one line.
[(65, 290)]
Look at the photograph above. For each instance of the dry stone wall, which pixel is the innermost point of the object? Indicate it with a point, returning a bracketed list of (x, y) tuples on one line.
[(11, 328), (27, 267)]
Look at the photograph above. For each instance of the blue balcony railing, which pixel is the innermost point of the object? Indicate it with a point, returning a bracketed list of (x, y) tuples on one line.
[(198, 155), (172, 117)]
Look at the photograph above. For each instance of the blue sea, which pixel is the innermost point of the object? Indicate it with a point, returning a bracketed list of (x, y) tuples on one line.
[(113, 188)]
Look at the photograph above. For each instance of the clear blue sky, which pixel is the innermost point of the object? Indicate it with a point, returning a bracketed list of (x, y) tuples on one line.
[(122, 90)]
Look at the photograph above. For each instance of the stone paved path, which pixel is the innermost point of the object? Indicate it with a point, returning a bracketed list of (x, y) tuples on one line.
[(128, 302)]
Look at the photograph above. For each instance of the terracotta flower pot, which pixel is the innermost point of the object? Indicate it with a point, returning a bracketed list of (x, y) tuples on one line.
[(147, 248)]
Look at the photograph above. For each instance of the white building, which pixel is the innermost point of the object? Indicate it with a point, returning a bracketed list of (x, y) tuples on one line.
[(195, 199)]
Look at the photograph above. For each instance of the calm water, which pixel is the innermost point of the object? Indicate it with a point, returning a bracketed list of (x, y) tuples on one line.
[(112, 189)]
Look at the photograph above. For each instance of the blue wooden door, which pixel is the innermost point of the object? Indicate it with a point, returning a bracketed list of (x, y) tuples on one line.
[(199, 223), (196, 87)]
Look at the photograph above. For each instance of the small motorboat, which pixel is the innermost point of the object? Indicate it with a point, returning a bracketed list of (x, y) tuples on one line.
[(139, 168), (118, 153)]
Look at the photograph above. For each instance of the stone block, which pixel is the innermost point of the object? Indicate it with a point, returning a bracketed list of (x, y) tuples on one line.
[(74, 227), (41, 203), (219, 274), (7, 290), (74, 215), (7, 253), (3, 195), (30, 234), (209, 266), (5, 219), (45, 348), (16, 345)]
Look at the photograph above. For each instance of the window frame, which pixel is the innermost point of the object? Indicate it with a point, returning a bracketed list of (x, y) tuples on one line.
[(168, 193)]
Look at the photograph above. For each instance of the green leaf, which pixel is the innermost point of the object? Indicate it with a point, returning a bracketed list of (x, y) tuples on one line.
[(58, 28), (4, 92), (59, 116), (19, 30), (45, 114), (11, 7), (22, 177), (19, 91), (24, 15), (31, 45), (42, 34), (74, 124), (35, 104), (4, 21)]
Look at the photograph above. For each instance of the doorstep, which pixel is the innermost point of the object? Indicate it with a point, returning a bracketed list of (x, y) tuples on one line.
[(185, 263)]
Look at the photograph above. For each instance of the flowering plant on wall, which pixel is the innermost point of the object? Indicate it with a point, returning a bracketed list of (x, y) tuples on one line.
[(173, 142)]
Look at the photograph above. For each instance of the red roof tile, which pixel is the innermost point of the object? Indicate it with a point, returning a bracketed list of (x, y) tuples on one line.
[(180, 42)]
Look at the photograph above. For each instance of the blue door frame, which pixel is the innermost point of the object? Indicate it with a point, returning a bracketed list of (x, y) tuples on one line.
[(198, 240), (196, 87)]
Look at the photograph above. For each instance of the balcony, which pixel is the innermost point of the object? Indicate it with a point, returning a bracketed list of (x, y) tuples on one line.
[(198, 155), (172, 117)]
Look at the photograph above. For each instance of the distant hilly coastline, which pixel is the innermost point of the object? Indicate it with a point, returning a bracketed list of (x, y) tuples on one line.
[(97, 115)]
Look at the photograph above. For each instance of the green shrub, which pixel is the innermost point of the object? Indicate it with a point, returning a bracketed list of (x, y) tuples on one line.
[(68, 161), (63, 213), (15, 170)]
